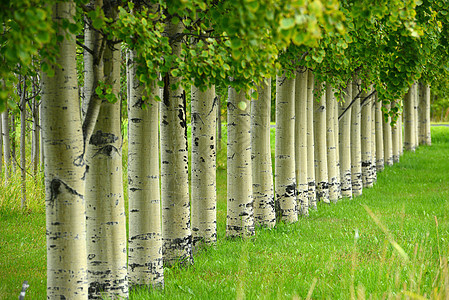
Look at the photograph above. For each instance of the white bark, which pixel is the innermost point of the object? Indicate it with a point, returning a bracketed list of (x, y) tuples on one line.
[(387, 139), (319, 120), (6, 143), (337, 146), (373, 136), (64, 172), (416, 96), (301, 142), (285, 179), (424, 116), (204, 191), (396, 134), (356, 150), (262, 173), (409, 120), (345, 143), (379, 136), (400, 125), (176, 230), (106, 219), (240, 215), (23, 116), (145, 264), (332, 166), (366, 146), (91, 39), (36, 136), (310, 142)]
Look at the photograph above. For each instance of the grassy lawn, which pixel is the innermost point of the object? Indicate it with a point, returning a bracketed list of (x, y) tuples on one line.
[(392, 241)]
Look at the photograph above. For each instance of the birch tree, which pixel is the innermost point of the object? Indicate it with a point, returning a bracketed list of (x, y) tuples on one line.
[(387, 139), (356, 150), (396, 134), (379, 119), (35, 133), (345, 142), (310, 142), (319, 120), (64, 170), (366, 146), (262, 173), (333, 175), (240, 214), (6, 143), (145, 263), (409, 120), (301, 142), (373, 137), (424, 117), (176, 231), (105, 209), (204, 191), (285, 179), (23, 116)]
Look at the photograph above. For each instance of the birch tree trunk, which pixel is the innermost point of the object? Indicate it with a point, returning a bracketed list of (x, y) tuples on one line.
[(64, 171), (6, 143), (367, 160), (13, 133), (262, 173), (337, 146), (203, 176), (36, 136), (345, 143), (319, 119), (219, 134), (416, 94), (106, 219), (409, 124), (285, 178), (387, 139), (301, 142), (240, 214), (91, 41), (356, 142), (372, 104), (379, 136), (424, 106), (310, 142), (145, 263), (333, 175), (396, 138), (176, 231), (23, 173)]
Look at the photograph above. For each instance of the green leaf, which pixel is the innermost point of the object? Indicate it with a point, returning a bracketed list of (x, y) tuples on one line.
[(287, 23), (99, 91)]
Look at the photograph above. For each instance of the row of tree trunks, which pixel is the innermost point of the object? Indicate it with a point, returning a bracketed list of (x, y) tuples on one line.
[(310, 140)]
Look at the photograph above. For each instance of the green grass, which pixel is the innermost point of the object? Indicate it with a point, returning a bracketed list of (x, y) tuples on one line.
[(319, 256)]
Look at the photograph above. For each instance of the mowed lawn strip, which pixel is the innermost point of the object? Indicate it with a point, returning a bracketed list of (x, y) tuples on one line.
[(337, 252)]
